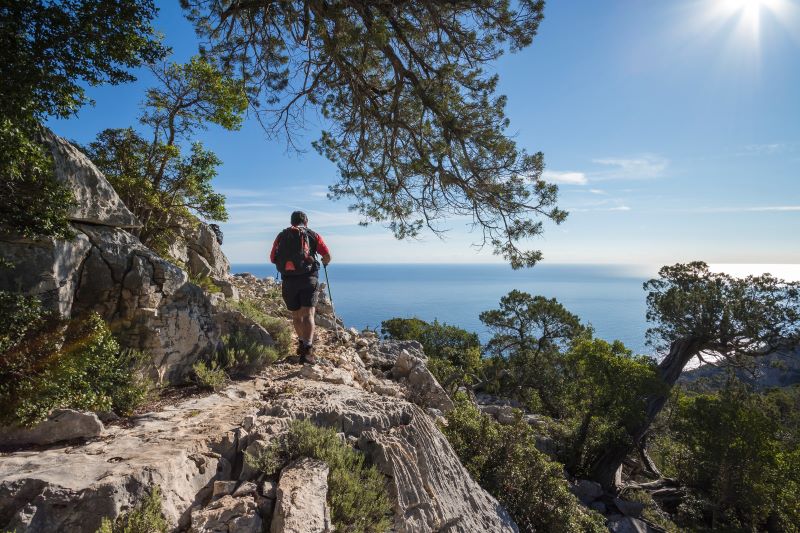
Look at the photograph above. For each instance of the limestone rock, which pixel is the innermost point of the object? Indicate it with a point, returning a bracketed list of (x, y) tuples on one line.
[(227, 515), (47, 268), (424, 389), (300, 505), (61, 425), (182, 450), (430, 488), (628, 508), (199, 248), (97, 201), (586, 490), (626, 524), (148, 300)]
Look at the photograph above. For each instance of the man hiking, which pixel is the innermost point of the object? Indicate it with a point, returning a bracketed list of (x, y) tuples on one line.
[(293, 252)]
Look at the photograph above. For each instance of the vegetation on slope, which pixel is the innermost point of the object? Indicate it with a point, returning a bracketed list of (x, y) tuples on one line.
[(357, 492), (48, 363)]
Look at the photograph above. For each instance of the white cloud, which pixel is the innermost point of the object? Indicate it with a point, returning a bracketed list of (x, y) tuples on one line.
[(570, 178), (745, 209), (597, 191), (620, 208), (765, 149), (646, 166)]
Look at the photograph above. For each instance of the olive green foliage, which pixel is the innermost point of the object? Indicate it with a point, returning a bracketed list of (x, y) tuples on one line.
[(48, 363), (146, 517), (699, 313), (279, 328), (530, 334), (608, 387), (357, 493), (454, 353), (733, 451), (205, 283), (240, 355), (32, 202), (164, 186), (504, 460), (49, 52), (416, 127), (209, 375), (732, 317)]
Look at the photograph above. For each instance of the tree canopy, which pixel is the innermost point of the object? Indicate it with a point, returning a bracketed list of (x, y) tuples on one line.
[(161, 185), (412, 118), (49, 51)]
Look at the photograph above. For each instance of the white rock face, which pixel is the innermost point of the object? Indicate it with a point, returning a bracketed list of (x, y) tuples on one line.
[(300, 505), (182, 449), (61, 425), (97, 201)]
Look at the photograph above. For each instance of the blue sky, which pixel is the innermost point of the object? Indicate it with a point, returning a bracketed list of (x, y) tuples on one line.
[(673, 129)]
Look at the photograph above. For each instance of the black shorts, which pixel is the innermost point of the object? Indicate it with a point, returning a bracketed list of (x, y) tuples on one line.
[(300, 291)]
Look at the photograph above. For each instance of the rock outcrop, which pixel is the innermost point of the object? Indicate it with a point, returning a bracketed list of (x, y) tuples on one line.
[(194, 452), (97, 201), (148, 301), (200, 249), (300, 503)]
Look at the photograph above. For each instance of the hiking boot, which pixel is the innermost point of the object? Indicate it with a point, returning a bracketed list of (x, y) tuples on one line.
[(300, 348), (308, 356)]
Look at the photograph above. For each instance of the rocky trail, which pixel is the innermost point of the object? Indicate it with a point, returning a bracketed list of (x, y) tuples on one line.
[(194, 451)]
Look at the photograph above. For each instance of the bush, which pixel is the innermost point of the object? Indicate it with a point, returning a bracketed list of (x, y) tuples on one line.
[(205, 283), (733, 453), (145, 518), (356, 492), (48, 363), (504, 460), (279, 328), (454, 354), (241, 355), (209, 375)]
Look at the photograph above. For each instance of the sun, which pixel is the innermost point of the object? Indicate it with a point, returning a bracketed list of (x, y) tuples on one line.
[(746, 15)]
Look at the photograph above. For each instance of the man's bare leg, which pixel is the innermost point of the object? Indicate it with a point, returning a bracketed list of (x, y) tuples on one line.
[(308, 323), (298, 321)]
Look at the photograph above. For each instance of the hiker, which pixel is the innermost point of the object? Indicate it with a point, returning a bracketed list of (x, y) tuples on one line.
[(293, 252)]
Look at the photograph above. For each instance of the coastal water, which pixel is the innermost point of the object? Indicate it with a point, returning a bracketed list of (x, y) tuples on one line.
[(609, 297)]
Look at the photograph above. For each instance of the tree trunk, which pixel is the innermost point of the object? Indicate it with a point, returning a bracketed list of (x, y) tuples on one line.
[(680, 353)]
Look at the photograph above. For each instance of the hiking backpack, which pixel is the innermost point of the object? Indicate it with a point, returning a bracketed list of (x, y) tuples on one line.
[(294, 255)]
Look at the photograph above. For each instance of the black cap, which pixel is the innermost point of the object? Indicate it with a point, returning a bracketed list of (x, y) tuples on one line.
[(298, 217)]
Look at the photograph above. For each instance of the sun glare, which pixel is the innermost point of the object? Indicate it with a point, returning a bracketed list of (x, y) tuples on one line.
[(747, 16)]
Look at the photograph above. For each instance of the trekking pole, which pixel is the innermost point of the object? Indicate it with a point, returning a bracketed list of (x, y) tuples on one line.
[(333, 309)]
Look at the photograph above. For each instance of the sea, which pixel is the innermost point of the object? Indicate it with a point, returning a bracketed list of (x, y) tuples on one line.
[(609, 297)]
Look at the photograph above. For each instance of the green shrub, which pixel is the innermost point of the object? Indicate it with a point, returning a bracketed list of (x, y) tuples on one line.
[(241, 355), (48, 363), (737, 458), (205, 283), (504, 460), (279, 328), (144, 518), (209, 375), (356, 492)]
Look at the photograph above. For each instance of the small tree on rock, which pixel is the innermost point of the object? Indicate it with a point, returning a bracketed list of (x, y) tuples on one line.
[(164, 187), (716, 318)]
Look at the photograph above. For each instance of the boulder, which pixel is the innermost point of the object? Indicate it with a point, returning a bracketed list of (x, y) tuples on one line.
[(586, 490), (147, 300), (228, 514), (61, 425), (430, 489), (199, 248), (183, 450), (628, 508), (626, 524), (47, 268), (97, 201), (300, 504), (423, 387)]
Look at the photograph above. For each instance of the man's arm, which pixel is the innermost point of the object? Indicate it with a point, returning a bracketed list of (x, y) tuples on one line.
[(322, 249), (274, 248)]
